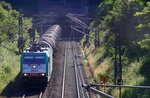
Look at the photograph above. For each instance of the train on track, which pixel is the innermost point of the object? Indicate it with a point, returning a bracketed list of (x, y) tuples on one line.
[(37, 61)]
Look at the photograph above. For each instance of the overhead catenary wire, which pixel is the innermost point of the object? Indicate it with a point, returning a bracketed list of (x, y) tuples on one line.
[(101, 42), (78, 21)]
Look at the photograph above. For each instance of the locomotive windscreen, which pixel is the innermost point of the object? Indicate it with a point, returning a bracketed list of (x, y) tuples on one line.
[(34, 60), (34, 64)]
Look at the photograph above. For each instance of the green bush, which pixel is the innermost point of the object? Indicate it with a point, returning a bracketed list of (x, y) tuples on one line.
[(129, 19)]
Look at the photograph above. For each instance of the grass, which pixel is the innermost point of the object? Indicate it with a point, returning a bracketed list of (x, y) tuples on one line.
[(138, 74), (103, 67), (131, 76), (133, 69), (9, 66), (92, 61), (88, 73), (135, 72)]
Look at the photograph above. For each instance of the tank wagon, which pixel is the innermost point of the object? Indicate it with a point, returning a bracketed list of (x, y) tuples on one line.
[(37, 60)]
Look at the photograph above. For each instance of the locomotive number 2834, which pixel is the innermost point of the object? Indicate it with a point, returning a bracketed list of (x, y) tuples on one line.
[(34, 70)]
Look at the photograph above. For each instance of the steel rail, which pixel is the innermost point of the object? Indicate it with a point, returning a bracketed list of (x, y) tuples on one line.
[(81, 75), (40, 95), (82, 79), (76, 73), (75, 61), (23, 96), (64, 73)]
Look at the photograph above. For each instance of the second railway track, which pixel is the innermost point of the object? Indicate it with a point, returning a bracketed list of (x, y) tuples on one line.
[(79, 68), (69, 80), (72, 75)]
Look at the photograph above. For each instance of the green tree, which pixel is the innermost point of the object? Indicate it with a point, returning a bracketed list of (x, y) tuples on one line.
[(145, 43), (144, 26), (9, 22), (129, 18)]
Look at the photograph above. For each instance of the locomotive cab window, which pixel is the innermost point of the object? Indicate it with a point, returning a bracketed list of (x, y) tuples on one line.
[(34, 59), (40, 59), (28, 59)]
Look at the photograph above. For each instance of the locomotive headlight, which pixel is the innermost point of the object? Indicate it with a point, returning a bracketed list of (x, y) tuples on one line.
[(25, 74), (34, 66), (43, 74)]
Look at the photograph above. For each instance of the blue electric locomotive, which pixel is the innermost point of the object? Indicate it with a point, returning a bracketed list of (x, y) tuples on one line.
[(37, 60)]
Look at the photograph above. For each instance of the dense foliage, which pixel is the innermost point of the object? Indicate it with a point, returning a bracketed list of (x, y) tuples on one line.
[(129, 19), (9, 27), (9, 33)]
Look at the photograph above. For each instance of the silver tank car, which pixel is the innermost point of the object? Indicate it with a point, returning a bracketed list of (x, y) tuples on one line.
[(37, 61), (50, 37)]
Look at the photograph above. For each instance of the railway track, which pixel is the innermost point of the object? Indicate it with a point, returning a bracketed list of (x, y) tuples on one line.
[(74, 88), (64, 73), (31, 95), (66, 69), (76, 73), (79, 69)]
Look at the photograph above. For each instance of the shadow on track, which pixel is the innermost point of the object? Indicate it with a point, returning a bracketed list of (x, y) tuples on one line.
[(12, 88), (15, 89)]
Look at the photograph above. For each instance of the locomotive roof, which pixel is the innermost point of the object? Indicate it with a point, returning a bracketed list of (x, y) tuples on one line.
[(38, 51)]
